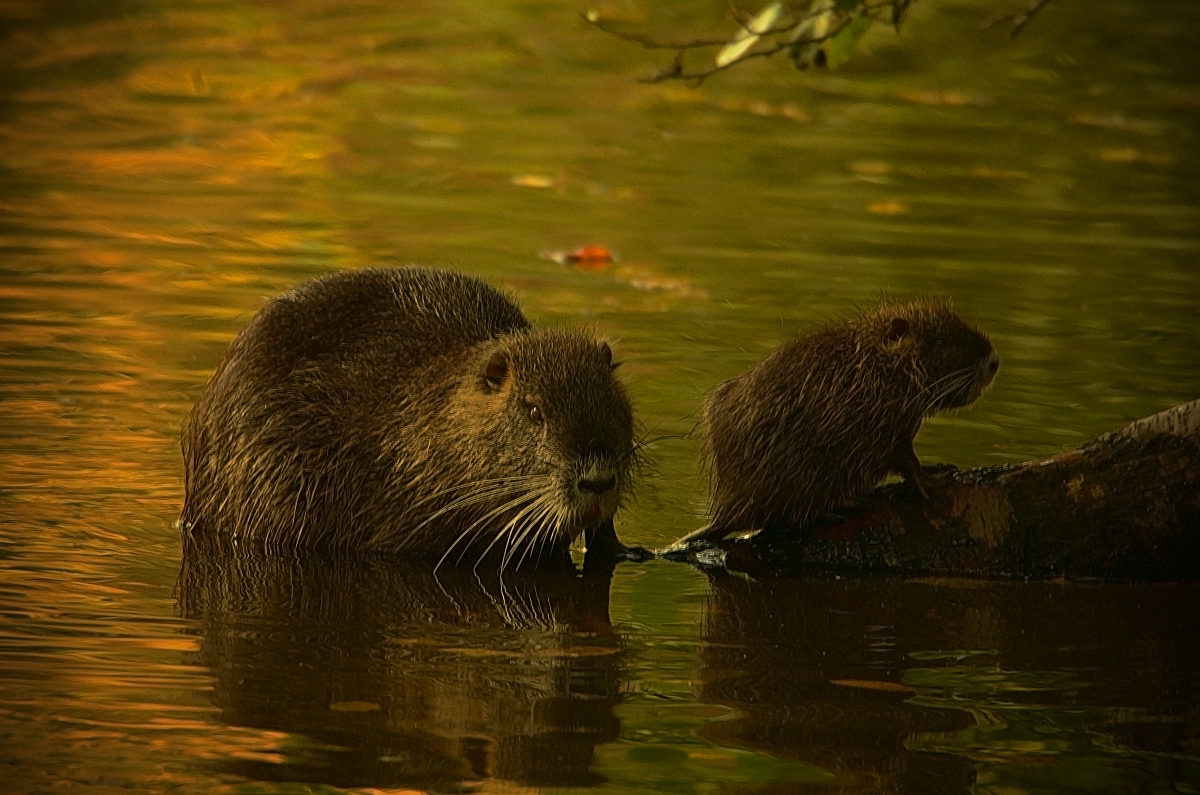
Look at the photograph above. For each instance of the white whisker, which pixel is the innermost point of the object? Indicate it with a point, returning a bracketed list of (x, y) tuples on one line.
[(533, 495)]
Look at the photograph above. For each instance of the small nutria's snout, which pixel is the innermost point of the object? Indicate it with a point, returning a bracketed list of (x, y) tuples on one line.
[(988, 369), (597, 485)]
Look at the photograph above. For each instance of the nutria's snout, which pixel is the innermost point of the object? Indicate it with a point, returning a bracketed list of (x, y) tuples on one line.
[(596, 485), (595, 491), (985, 373)]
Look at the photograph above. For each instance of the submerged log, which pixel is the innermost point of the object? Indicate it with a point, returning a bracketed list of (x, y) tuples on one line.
[(1125, 505)]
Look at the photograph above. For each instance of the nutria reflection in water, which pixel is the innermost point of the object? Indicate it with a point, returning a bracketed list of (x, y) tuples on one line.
[(409, 410), (388, 676), (989, 667), (825, 416)]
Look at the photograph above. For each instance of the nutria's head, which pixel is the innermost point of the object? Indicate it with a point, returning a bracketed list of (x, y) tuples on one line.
[(551, 431), (954, 361)]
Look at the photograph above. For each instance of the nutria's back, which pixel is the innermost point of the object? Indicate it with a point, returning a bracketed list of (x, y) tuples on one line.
[(827, 415), (410, 409)]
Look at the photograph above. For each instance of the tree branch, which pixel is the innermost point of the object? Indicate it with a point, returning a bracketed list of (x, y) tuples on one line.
[(676, 70), (777, 39)]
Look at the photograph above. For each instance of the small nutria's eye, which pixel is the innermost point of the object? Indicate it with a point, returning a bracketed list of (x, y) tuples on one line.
[(535, 414), (940, 341), (898, 330)]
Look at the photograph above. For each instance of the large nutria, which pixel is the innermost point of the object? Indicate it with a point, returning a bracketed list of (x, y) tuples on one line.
[(411, 410), (828, 414)]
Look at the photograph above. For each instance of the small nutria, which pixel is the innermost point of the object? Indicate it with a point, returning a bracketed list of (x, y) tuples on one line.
[(412, 410), (827, 415)]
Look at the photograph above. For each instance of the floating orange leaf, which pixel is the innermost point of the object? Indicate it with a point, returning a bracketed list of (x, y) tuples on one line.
[(588, 258)]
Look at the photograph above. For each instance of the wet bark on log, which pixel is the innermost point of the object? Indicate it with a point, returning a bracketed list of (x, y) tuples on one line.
[(1125, 505)]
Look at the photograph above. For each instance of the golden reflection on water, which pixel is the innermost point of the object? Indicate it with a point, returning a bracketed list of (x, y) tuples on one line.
[(164, 166)]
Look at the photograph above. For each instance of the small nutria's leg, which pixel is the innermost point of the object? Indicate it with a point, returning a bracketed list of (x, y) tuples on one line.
[(604, 548), (905, 461)]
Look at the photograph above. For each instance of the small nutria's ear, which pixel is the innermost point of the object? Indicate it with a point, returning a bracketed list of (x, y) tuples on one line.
[(606, 353), (897, 331), (496, 370)]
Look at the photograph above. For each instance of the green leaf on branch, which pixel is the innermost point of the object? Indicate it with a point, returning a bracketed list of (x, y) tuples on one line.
[(839, 48)]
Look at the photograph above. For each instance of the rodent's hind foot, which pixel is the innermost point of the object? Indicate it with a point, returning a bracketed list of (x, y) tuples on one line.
[(703, 538), (635, 554), (698, 552), (917, 481), (697, 542)]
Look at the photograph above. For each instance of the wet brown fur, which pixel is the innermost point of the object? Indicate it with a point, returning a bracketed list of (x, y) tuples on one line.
[(393, 409), (827, 415)]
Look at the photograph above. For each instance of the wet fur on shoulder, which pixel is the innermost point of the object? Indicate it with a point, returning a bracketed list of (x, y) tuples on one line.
[(828, 414), (412, 410)]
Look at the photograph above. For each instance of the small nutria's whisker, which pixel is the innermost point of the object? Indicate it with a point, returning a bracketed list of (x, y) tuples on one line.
[(948, 386)]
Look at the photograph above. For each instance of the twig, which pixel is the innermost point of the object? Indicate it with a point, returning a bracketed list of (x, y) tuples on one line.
[(652, 43), (1019, 21), (1024, 19)]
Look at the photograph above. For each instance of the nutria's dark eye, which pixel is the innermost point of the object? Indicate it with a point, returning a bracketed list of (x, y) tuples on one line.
[(940, 341), (535, 414), (496, 370)]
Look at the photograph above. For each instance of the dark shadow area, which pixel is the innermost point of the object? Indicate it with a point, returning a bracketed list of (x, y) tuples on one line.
[(384, 675), (939, 686)]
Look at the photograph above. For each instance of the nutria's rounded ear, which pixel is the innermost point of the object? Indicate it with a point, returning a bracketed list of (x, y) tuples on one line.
[(898, 330), (606, 353), (496, 370)]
